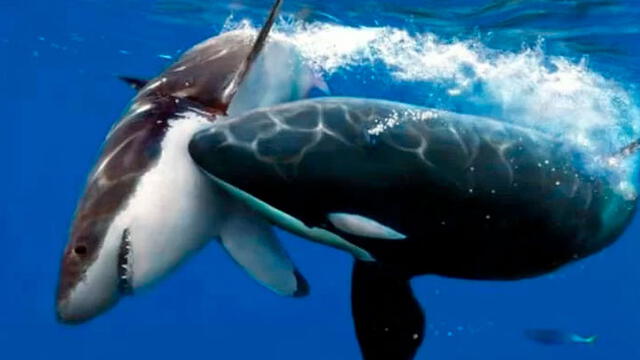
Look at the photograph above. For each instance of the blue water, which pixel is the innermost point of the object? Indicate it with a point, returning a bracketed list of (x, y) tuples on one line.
[(569, 67)]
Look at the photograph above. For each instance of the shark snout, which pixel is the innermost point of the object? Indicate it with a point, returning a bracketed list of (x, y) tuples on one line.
[(88, 285), (86, 300), (68, 314)]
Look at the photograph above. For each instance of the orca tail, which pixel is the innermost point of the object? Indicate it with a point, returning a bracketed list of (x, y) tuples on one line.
[(388, 319)]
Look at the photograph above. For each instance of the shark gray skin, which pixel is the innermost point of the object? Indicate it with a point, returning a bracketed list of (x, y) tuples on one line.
[(423, 191), (147, 207)]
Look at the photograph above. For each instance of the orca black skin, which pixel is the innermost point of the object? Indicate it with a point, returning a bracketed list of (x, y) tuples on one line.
[(475, 198)]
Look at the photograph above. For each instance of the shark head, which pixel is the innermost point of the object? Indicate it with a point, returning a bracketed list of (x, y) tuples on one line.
[(89, 282), (89, 270), (142, 213)]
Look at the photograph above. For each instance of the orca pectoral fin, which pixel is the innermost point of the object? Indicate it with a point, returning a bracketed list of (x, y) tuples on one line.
[(388, 319), (135, 83), (363, 226), (284, 220), (252, 243)]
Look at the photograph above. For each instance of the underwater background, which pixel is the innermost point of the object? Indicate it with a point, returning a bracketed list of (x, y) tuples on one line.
[(566, 67)]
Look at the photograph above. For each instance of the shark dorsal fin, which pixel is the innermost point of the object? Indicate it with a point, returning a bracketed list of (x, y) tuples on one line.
[(232, 87)]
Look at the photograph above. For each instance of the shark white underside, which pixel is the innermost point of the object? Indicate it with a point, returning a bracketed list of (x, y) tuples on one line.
[(176, 210)]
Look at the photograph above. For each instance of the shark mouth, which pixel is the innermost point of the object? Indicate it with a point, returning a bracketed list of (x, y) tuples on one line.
[(125, 265)]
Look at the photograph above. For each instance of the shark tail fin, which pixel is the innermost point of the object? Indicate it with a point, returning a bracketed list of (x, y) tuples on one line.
[(232, 87)]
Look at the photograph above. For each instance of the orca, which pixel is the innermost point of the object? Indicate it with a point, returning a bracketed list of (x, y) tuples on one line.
[(423, 191)]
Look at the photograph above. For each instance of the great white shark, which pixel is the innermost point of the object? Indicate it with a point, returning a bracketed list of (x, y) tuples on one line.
[(147, 206), (423, 191)]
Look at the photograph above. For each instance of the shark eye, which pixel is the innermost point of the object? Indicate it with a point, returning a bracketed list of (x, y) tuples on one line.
[(80, 250)]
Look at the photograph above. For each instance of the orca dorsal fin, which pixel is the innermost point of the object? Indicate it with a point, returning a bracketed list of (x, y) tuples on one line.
[(231, 88), (135, 83)]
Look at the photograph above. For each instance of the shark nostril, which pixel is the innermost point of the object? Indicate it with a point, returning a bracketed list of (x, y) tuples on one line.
[(80, 250)]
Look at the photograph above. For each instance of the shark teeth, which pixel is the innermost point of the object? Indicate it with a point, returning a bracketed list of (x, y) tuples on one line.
[(125, 265)]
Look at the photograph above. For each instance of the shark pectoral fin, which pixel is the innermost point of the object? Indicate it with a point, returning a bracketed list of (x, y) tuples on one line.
[(363, 226), (135, 83), (388, 319), (252, 243)]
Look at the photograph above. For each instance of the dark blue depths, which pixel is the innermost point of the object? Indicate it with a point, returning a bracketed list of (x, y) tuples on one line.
[(59, 97)]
